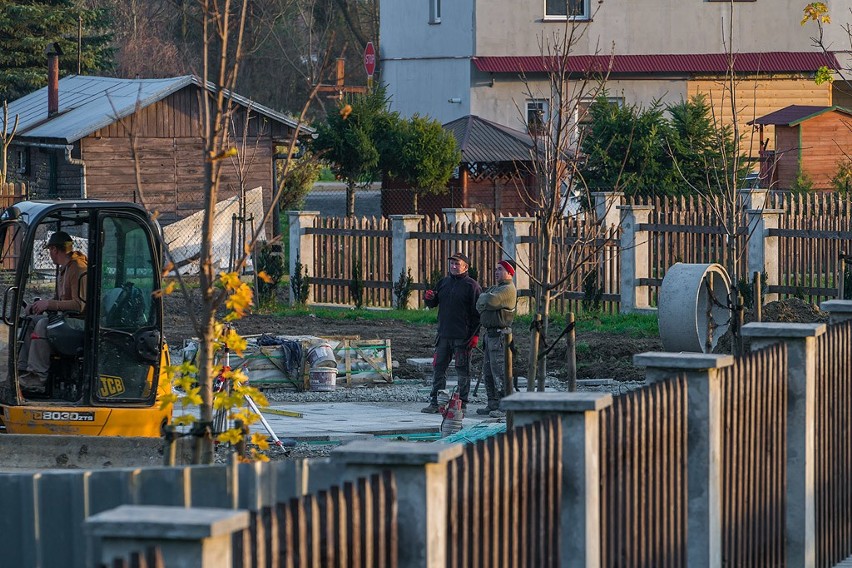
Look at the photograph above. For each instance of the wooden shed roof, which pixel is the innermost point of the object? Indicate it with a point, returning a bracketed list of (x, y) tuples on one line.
[(89, 103), (796, 114), (483, 141)]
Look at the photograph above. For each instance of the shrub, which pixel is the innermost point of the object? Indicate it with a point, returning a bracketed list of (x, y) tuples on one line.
[(299, 283), (269, 260), (402, 289), (356, 284), (592, 293)]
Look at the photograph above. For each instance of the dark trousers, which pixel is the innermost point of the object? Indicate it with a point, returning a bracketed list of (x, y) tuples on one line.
[(445, 350), (494, 367)]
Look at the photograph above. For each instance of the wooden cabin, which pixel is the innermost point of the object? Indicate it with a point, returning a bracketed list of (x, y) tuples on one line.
[(811, 140), (495, 174), (80, 148)]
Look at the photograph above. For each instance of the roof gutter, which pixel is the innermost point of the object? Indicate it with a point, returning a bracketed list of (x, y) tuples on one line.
[(68, 158)]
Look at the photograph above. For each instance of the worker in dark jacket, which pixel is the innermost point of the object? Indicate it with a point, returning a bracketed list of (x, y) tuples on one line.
[(496, 307), (458, 322)]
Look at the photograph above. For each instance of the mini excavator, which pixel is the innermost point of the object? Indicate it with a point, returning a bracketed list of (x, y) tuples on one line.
[(106, 371)]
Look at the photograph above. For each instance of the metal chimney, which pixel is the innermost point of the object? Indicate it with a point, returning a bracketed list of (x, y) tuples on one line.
[(53, 51)]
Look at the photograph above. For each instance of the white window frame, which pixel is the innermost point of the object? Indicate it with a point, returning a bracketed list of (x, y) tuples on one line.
[(586, 120), (22, 160), (586, 15), (434, 11), (538, 105)]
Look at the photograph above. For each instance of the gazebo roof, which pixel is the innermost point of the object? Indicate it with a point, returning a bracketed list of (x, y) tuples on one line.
[(483, 141)]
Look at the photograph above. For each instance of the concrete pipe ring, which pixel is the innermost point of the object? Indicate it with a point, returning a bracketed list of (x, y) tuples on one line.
[(688, 313)]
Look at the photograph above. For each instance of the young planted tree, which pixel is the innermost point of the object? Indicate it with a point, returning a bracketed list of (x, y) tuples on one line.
[(420, 153), (556, 160), (348, 140)]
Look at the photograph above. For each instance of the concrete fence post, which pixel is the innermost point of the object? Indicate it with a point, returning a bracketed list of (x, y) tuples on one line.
[(635, 259), (763, 250), (580, 525), (704, 446), (405, 255), (421, 472), (754, 198), (515, 231), (800, 524), (607, 204), (459, 214), (187, 537), (301, 244), (839, 311)]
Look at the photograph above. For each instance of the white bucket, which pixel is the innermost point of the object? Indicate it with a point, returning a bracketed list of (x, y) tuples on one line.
[(323, 379), (321, 356)]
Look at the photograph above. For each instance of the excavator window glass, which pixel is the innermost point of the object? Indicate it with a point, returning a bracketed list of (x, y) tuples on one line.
[(128, 351)]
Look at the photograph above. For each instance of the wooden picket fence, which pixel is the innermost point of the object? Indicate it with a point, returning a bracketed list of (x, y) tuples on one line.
[(505, 496)]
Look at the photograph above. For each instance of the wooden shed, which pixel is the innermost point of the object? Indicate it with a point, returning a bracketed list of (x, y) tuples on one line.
[(81, 147), (811, 140), (495, 173)]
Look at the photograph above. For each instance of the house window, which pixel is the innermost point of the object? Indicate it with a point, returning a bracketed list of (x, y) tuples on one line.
[(571, 9), (22, 161), (536, 116), (434, 11)]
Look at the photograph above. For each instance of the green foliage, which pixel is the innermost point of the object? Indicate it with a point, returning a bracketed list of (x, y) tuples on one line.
[(270, 260), (802, 184), (823, 75), (473, 272), (641, 151), (434, 278), (847, 282), (29, 26), (356, 284), (421, 153), (842, 179), (402, 289), (300, 178), (592, 293), (746, 289), (300, 284), (347, 138)]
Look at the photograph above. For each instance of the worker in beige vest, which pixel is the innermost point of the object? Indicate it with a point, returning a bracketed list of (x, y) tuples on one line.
[(496, 307)]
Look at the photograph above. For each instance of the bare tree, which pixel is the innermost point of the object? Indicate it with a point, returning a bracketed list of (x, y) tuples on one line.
[(556, 160), (6, 137)]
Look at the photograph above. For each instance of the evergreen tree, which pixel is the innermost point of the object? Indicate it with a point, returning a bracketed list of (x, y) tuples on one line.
[(27, 26)]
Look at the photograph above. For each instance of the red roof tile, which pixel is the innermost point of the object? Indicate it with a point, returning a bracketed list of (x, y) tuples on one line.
[(770, 62)]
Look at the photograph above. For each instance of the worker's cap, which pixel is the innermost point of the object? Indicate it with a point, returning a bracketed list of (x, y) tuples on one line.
[(58, 239), (460, 256)]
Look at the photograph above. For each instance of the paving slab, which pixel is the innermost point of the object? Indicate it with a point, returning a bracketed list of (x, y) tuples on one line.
[(343, 421)]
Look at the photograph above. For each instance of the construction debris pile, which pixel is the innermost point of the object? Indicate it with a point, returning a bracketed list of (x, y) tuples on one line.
[(306, 362)]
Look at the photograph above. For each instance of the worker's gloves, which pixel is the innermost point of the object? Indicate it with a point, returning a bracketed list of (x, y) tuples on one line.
[(474, 341), (429, 295)]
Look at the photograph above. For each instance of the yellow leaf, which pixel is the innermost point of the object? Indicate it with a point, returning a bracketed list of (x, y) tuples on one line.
[(259, 457), (260, 441), (231, 436), (184, 420), (264, 276), (345, 111)]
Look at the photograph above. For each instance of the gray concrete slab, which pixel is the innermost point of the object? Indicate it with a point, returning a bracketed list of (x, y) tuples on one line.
[(343, 421)]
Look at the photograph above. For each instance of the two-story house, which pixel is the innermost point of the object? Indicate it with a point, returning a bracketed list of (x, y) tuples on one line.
[(448, 59)]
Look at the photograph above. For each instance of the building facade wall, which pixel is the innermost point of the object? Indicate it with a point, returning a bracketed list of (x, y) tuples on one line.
[(824, 139), (513, 27), (787, 156)]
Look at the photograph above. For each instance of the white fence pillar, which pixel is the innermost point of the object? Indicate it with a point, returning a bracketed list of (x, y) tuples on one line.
[(459, 214), (187, 537), (515, 231), (420, 471), (763, 252), (704, 443), (607, 204), (405, 255), (301, 245), (800, 523), (635, 259), (580, 524), (753, 198)]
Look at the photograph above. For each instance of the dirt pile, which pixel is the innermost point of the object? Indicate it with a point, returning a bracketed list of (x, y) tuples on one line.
[(791, 310)]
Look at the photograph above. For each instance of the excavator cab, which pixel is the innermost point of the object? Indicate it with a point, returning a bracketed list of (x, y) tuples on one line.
[(106, 364)]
